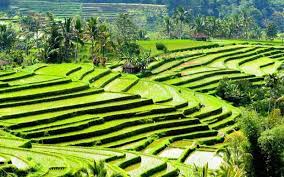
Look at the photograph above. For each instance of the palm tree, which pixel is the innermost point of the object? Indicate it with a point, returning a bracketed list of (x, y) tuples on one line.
[(168, 24), (246, 22), (68, 37), (93, 31), (211, 25), (78, 31), (181, 17), (103, 43), (199, 24), (53, 41)]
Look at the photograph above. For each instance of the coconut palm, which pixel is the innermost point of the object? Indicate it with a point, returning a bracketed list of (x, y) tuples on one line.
[(93, 31), (78, 28), (51, 50), (168, 24), (68, 37), (199, 24), (103, 43), (181, 17)]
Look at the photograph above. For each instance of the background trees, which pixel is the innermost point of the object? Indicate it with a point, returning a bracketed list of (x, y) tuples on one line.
[(7, 38)]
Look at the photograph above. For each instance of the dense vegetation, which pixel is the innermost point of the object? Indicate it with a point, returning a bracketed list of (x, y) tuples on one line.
[(260, 10)]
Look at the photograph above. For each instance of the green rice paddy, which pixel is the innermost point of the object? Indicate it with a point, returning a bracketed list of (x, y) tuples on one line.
[(57, 120)]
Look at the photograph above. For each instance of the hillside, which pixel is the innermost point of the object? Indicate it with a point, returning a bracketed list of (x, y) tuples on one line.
[(71, 8), (77, 114)]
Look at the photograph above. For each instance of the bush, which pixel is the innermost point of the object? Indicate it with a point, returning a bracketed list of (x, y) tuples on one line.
[(262, 99), (271, 143), (161, 47), (266, 140)]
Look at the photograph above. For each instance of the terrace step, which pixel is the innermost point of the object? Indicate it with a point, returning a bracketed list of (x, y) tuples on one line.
[(80, 74), (130, 159), (160, 134), (3, 84), (165, 76), (160, 144), (121, 85), (95, 75), (62, 70), (121, 104), (210, 140), (216, 118), (92, 120), (229, 129), (43, 92), (164, 127), (103, 81), (225, 122), (2, 74), (66, 104), (51, 98), (148, 166), (158, 93), (36, 85), (197, 77), (210, 112), (213, 80), (15, 76), (170, 171)]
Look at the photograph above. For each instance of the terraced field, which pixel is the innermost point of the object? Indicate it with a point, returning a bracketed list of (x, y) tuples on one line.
[(58, 120), (201, 70), (69, 8)]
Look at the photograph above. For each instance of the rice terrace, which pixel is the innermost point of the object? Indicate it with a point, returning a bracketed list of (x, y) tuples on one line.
[(141, 89)]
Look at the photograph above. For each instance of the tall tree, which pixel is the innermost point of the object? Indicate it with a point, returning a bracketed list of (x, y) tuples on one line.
[(271, 31), (168, 25), (93, 31), (7, 38), (181, 17), (68, 38), (104, 43), (126, 29), (53, 41), (78, 30)]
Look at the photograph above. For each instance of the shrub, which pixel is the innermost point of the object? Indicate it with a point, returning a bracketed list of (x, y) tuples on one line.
[(271, 143), (99, 169), (161, 47), (266, 140), (235, 91), (262, 99), (252, 125), (27, 145)]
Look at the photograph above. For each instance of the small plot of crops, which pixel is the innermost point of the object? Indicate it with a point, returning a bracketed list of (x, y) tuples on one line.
[(201, 69)]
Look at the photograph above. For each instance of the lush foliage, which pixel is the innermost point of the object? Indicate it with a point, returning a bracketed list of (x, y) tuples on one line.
[(262, 99), (265, 135)]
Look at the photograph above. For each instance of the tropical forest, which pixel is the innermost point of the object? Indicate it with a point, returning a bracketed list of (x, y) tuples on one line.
[(141, 88)]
